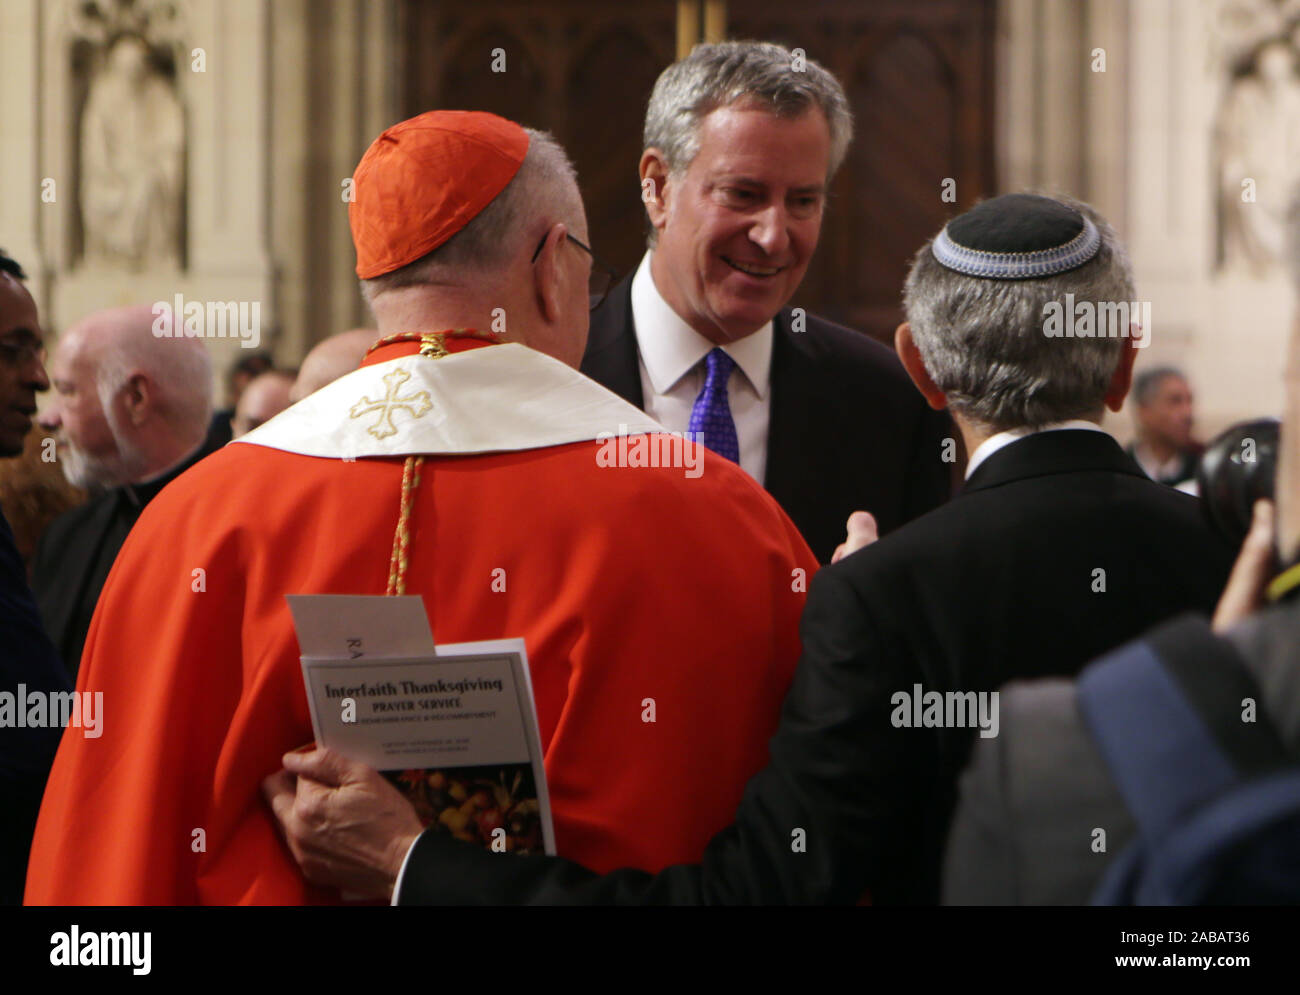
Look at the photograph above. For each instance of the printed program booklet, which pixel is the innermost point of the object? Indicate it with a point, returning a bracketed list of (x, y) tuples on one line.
[(454, 727)]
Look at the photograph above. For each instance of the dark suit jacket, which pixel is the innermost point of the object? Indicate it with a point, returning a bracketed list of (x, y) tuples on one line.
[(1032, 795), (26, 659), (999, 583), (77, 551), (848, 431)]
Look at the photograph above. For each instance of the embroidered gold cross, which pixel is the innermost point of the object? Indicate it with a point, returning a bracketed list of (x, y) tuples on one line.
[(417, 405)]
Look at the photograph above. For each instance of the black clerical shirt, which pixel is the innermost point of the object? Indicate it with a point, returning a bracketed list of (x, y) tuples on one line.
[(77, 551)]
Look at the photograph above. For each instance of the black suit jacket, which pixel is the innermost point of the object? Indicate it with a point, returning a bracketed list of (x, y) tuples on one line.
[(848, 431), (26, 659), (77, 551), (999, 583)]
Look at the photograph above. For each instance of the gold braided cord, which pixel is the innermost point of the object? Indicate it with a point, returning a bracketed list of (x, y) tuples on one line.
[(432, 346), (400, 558)]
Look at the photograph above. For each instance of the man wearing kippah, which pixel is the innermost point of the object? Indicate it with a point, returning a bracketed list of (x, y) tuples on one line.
[(1174, 756), (741, 142), (1057, 549), (469, 468)]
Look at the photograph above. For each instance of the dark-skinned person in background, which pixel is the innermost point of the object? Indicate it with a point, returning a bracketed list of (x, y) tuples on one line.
[(28, 662)]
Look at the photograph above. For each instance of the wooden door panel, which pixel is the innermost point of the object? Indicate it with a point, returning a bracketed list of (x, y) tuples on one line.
[(580, 69), (919, 75)]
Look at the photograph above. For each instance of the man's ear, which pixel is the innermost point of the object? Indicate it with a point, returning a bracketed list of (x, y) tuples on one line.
[(1122, 379), (548, 275), (911, 358), (654, 187), (137, 396)]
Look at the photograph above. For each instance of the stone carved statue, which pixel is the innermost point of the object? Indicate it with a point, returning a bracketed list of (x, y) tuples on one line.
[(132, 162), (1259, 160), (1254, 50)]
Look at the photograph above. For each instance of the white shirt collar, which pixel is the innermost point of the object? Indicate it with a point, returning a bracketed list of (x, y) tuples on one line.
[(995, 442), (670, 348), (1151, 467)]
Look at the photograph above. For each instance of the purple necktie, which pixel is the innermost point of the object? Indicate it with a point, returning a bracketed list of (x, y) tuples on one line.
[(711, 417)]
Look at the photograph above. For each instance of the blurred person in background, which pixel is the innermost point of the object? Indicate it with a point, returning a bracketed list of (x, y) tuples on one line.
[(238, 377), (266, 396), (1162, 409), (330, 359)]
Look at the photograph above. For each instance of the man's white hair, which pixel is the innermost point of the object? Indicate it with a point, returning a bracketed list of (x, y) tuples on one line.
[(983, 342)]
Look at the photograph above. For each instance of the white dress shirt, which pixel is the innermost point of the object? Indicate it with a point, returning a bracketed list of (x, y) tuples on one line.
[(1154, 469), (671, 359), (995, 442)]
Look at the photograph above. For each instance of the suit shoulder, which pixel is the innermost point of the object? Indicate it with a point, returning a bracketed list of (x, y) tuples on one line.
[(852, 358), (67, 528), (930, 535), (1176, 501), (1181, 510), (844, 344), (608, 322)]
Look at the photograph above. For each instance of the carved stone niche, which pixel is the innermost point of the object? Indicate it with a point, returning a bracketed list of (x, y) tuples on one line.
[(129, 151), (155, 120)]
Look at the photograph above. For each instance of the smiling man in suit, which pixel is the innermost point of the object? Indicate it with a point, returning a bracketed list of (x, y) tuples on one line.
[(740, 145)]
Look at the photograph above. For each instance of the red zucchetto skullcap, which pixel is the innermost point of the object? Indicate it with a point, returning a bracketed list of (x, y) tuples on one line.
[(425, 179)]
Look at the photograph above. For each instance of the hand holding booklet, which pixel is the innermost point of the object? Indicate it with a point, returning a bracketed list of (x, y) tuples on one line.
[(454, 727)]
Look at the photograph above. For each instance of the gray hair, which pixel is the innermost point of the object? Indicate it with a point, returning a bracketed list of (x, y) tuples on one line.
[(714, 76), (545, 184), (1146, 383), (984, 343)]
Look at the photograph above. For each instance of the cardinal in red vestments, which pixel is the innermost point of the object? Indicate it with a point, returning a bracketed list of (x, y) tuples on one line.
[(479, 471)]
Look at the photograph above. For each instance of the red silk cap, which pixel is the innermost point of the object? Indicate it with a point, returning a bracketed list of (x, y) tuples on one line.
[(425, 179)]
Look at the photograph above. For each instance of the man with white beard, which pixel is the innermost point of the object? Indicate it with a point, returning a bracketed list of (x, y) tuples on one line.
[(131, 413)]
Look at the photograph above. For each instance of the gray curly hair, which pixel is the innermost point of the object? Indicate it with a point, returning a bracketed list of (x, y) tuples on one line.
[(984, 345)]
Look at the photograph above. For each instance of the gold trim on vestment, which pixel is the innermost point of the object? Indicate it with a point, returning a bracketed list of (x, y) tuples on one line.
[(432, 346)]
